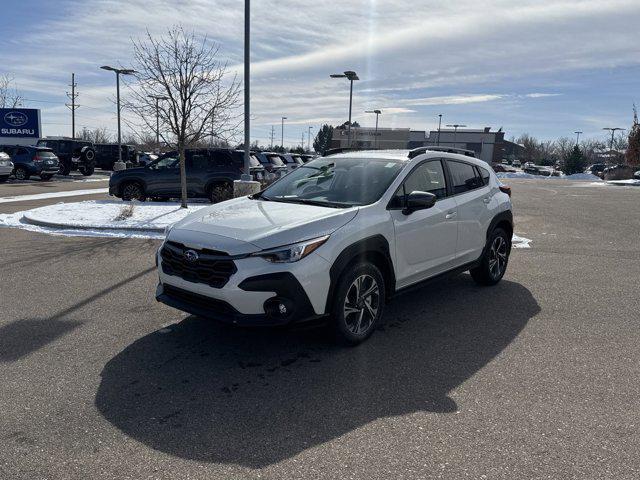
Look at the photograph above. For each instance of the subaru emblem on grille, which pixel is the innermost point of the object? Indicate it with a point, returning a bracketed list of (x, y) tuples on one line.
[(191, 256)]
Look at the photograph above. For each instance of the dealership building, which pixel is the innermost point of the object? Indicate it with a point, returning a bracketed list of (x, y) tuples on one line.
[(489, 145)]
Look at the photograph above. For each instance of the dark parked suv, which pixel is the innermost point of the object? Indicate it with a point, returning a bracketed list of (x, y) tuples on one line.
[(107, 155), (28, 160), (73, 154), (210, 174)]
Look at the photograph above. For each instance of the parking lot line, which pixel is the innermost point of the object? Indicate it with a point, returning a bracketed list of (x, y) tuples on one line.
[(41, 196)]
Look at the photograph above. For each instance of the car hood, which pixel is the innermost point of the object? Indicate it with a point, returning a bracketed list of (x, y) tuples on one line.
[(261, 224)]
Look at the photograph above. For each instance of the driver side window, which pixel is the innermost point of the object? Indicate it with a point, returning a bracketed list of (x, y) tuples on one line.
[(428, 177)]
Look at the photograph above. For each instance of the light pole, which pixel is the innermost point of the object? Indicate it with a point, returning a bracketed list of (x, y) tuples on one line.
[(282, 132), (455, 132), (439, 127), (119, 165), (157, 98), (613, 131), (377, 112), (577, 137), (246, 176), (351, 76), (309, 139)]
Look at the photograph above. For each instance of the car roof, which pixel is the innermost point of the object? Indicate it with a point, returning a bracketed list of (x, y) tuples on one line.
[(404, 155)]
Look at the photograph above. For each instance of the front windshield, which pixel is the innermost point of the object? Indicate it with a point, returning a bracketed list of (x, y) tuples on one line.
[(276, 160), (339, 182)]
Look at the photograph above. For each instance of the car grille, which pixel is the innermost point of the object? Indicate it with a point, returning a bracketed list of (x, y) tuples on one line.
[(212, 268), (220, 307)]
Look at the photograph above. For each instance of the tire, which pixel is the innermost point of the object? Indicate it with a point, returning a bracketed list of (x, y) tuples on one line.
[(46, 177), (133, 191), (494, 260), (65, 169), (220, 192), (87, 171), (355, 314), (21, 174)]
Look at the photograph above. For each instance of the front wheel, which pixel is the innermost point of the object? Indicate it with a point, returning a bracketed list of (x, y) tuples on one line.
[(133, 191), (359, 303), (494, 261)]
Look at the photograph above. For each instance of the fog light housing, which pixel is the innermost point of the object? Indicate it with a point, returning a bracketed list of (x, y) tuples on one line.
[(278, 307)]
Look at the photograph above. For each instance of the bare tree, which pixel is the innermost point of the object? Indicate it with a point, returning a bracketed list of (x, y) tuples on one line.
[(9, 95), (199, 94), (98, 135)]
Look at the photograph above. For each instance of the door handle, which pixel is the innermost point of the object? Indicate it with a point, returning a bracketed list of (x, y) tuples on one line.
[(451, 215), (486, 200)]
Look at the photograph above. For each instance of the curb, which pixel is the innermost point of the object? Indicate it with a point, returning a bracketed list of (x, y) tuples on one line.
[(66, 226)]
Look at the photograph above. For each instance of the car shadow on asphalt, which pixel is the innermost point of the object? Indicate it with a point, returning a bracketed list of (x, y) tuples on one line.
[(202, 391)]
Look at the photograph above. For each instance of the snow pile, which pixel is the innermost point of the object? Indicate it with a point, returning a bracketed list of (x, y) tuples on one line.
[(627, 183), (583, 176), (107, 214), (44, 196), (517, 175), (520, 242)]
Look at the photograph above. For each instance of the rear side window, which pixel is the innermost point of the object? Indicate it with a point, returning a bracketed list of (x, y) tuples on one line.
[(485, 175), (198, 162), (463, 177), (22, 151), (46, 154)]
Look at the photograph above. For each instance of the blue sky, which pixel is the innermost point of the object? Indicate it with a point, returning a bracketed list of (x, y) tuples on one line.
[(543, 67)]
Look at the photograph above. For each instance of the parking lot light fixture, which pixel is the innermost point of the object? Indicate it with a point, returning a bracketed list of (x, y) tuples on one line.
[(439, 128), (119, 165), (157, 98), (351, 76), (455, 132), (375, 135), (578, 137), (613, 131)]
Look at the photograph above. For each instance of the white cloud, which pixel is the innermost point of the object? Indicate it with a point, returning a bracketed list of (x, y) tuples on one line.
[(454, 99)]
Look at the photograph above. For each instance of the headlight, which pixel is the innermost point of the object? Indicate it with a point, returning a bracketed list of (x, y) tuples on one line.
[(291, 253)]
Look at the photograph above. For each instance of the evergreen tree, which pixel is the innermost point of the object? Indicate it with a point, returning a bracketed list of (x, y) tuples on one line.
[(322, 142), (575, 162), (633, 149)]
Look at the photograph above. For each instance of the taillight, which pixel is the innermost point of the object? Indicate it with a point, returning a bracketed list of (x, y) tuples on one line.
[(505, 189), (37, 159)]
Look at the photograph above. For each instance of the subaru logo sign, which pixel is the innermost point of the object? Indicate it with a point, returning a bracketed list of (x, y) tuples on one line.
[(191, 256), (16, 119)]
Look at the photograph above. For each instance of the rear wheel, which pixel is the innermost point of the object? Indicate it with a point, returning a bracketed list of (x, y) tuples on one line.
[(21, 173), (46, 177), (87, 171), (494, 261), (133, 191), (359, 303), (220, 192)]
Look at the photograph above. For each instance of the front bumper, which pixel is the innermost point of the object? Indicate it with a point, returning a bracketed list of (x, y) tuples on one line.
[(259, 293)]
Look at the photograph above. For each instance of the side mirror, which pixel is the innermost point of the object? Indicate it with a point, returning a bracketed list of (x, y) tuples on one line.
[(417, 200)]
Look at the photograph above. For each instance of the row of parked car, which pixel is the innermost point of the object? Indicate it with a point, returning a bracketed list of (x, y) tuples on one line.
[(210, 174), (614, 172)]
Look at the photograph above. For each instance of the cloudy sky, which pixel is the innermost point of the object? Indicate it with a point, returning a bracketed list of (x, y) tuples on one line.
[(545, 67)]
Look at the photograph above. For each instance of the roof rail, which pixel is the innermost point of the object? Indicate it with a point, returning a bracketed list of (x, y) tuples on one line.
[(420, 150), (334, 151)]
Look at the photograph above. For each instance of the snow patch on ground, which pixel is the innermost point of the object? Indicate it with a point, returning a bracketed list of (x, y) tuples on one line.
[(103, 214), (41, 196), (575, 176), (625, 183), (520, 242)]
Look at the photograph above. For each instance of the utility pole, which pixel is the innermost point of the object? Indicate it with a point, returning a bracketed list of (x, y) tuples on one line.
[(309, 139), (282, 133), (272, 135), (439, 128), (577, 137), (72, 96)]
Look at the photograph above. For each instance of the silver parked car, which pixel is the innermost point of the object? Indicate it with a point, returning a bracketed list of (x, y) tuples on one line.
[(6, 167)]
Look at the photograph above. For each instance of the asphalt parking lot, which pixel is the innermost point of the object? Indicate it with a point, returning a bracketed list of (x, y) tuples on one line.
[(536, 377)]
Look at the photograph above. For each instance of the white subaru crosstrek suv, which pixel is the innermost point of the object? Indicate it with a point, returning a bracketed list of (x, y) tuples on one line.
[(337, 238)]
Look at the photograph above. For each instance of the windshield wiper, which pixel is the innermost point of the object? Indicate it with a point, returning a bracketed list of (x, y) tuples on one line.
[(260, 196), (306, 201)]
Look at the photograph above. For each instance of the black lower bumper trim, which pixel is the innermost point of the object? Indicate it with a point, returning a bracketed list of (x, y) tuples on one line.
[(207, 307)]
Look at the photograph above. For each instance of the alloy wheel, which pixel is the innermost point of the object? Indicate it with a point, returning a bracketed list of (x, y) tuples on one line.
[(498, 257), (361, 304)]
